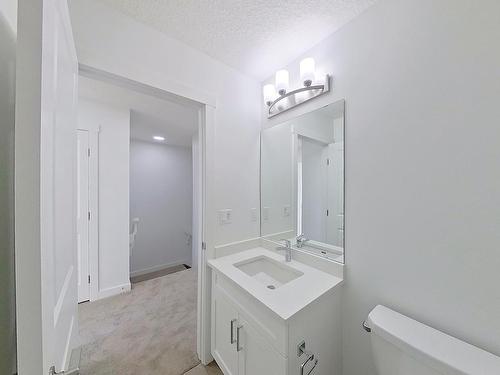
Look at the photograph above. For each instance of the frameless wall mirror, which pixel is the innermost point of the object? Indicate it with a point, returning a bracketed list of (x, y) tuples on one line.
[(302, 182)]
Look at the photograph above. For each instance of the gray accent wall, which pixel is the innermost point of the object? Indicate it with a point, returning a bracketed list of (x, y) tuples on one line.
[(161, 196)]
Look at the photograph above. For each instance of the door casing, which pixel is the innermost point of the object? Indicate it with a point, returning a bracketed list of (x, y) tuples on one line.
[(83, 215)]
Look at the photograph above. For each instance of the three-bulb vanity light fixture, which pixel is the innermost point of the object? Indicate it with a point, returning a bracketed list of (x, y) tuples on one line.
[(279, 99)]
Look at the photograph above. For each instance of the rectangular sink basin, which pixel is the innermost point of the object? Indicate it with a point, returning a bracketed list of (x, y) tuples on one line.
[(268, 272)]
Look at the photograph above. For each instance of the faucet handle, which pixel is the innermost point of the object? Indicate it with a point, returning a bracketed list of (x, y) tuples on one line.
[(287, 242)]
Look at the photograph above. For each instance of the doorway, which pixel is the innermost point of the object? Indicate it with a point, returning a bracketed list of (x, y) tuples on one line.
[(46, 249), (149, 157)]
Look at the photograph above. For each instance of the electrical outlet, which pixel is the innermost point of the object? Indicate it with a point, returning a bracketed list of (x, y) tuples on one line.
[(225, 216), (286, 211)]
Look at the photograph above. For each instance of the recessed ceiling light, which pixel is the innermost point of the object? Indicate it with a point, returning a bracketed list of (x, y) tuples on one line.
[(158, 138)]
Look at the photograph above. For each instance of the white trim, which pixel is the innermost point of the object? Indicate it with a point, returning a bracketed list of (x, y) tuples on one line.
[(114, 291), (171, 90), (83, 285), (207, 134), (93, 182), (145, 271), (200, 261), (94, 211)]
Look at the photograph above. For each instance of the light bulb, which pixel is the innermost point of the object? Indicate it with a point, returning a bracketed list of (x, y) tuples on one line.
[(282, 81), (307, 71), (269, 93)]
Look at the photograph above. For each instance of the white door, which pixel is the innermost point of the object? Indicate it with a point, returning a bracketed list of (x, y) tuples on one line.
[(255, 355), (83, 215), (46, 247)]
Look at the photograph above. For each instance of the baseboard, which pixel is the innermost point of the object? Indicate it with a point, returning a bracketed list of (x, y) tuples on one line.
[(113, 291), (159, 267), (236, 247)]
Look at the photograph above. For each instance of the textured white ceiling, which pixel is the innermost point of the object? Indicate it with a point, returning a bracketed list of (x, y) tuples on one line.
[(254, 36)]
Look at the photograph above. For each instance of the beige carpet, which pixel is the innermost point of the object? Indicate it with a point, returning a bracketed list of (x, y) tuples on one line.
[(151, 330)]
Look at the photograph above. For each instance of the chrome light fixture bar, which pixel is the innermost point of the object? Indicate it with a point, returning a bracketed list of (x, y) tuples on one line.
[(288, 100)]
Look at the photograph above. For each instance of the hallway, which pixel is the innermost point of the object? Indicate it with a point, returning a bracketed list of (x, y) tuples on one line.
[(151, 330)]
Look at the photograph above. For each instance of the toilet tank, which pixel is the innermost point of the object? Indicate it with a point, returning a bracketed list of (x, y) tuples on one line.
[(403, 346)]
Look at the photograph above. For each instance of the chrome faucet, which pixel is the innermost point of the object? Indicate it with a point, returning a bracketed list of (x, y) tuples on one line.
[(288, 250), (301, 238)]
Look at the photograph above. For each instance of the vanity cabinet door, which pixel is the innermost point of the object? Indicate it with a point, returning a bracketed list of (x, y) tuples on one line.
[(226, 321), (255, 355)]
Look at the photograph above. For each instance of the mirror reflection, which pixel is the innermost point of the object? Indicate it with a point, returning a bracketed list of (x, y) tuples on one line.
[(302, 182)]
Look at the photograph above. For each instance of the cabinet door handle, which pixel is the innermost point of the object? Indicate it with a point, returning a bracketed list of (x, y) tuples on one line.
[(238, 347), (232, 331)]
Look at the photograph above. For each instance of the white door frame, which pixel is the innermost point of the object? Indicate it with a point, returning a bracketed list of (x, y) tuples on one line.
[(83, 214), (93, 130), (206, 133)]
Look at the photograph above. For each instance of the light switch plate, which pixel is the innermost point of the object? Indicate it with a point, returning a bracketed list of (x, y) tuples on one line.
[(225, 216)]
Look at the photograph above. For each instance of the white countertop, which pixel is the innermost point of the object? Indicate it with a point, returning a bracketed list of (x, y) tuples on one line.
[(289, 298)]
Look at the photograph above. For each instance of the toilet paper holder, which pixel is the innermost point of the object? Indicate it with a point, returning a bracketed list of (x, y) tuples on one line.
[(310, 357)]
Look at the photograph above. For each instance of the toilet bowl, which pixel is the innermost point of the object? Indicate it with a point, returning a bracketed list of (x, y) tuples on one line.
[(403, 346)]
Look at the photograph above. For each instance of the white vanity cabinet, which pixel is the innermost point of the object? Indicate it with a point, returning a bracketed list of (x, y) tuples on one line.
[(248, 338), (237, 345), (225, 319), (256, 355)]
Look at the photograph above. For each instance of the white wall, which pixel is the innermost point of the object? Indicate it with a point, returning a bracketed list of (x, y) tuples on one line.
[(8, 29), (113, 185), (421, 81), (115, 43), (161, 196)]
